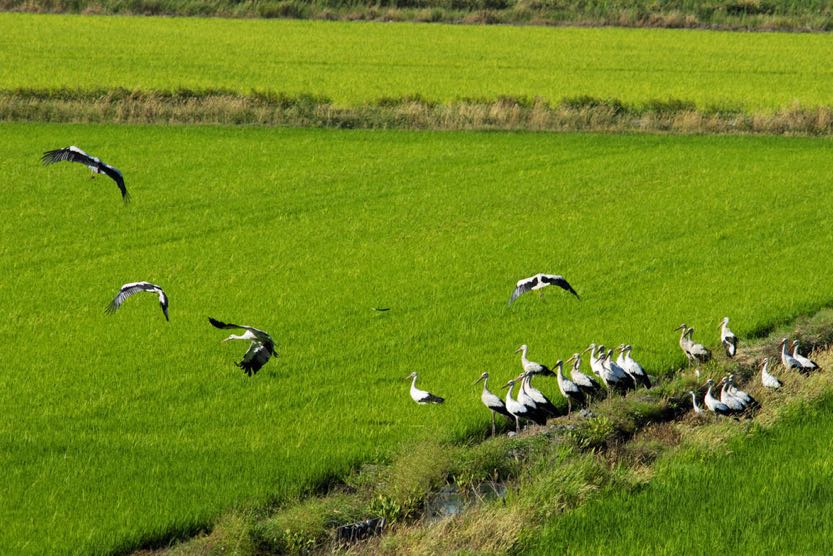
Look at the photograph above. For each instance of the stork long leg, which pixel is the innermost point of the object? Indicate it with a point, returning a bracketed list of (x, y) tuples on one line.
[(569, 406), (493, 423), (517, 424)]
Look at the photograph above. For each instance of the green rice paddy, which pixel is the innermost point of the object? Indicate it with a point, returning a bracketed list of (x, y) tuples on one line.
[(118, 430), (357, 62)]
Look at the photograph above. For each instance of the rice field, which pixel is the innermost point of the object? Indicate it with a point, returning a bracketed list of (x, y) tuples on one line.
[(353, 63), (118, 430), (769, 493)]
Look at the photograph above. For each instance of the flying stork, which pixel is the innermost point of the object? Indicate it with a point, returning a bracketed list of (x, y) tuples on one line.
[(806, 364), (768, 380), (260, 350), (569, 389), (539, 282), (787, 359), (421, 396), (728, 338), (133, 288), (631, 367), (531, 366), (492, 402), (96, 166), (588, 385), (714, 405)]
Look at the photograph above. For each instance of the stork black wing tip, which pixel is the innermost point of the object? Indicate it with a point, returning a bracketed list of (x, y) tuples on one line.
[(215, 323)]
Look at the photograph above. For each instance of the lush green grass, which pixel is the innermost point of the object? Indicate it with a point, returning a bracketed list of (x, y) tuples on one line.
[(361, 62), (118, 429), (770, 494)]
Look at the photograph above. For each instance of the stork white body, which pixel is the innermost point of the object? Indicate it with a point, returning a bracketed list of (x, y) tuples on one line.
[(787, 359), (421, 396), (634, 369), (261, 349), (539, 282), (531, 366), (694, 405), (517, 409), (588, 385), (133, 288), (768, 380), (541, 401), (714, 405), (694, 352), (737, 392), (806, 364), (730, 400), (491, 401), (568, 388), (728, 338)]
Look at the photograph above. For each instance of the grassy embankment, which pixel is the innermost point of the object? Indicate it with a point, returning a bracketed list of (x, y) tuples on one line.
[(759, 15), (119, 430), (155, 70)]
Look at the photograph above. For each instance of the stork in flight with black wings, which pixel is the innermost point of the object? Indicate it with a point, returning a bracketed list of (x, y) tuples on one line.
[(133, 288), (96, 166), (260, 350), (538, 282)]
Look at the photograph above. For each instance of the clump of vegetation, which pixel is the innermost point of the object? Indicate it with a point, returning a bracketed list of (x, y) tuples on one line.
[(761, 15)]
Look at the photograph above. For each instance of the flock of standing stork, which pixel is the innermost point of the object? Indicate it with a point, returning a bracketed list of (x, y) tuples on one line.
[(621, 375)]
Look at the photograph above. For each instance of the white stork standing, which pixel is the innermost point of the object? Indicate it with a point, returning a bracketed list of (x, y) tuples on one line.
[(535, 413), (748, 401), (568, 388), (732, 402), (133, 288), (518, 410), (787, 359), (540, 399), (768, 380), (538, 282), (728, 338), (491, 401), (587, 384), (260, 350), (694, 405), (531, 366), (634, 369), (694, 352), (714, 405), (421, 396), (806, 364), (623, 380), (74, 154)]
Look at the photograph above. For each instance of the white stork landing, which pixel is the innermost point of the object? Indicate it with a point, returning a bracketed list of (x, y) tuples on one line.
[(491, 401), (538, 282), (133, 288), (728, 338), (261, 349), (421, 396), (74, 154)]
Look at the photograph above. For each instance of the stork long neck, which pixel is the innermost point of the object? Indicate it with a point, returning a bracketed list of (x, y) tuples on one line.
[(413, 382), (485, 385), (559, 373), (784, 350), (795, 349), (694, 401), (509, 394), (524, 360)]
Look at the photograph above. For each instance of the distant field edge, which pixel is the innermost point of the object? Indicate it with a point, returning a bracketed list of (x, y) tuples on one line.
[(745, 15), (506, 113)]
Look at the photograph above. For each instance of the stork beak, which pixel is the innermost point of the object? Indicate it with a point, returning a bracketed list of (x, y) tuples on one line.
[(586, 350), (479, 380), (507, 385), (518, 350), (572, 358)]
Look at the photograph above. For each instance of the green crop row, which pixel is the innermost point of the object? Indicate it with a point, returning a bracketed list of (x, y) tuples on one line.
[(354, 63)]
